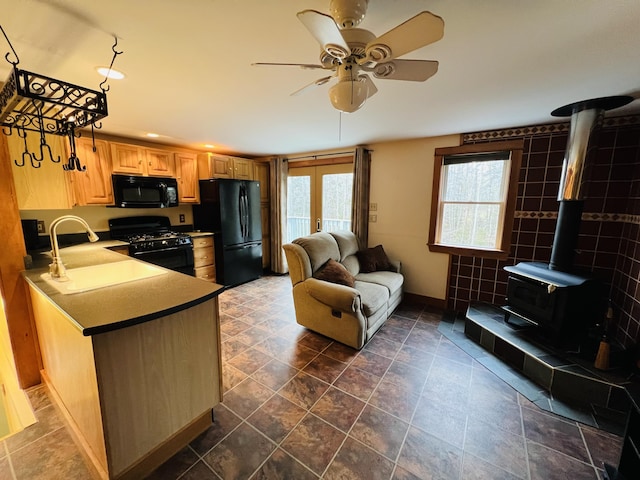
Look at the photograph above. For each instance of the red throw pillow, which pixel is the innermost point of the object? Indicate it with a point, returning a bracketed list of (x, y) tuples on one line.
[(335, 272)]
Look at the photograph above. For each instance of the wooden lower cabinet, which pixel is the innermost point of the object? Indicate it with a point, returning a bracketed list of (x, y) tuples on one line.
[(204, 258), (135, 396)]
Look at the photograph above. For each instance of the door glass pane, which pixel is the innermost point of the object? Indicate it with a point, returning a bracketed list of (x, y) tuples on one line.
[(298, 207), (336, 201)]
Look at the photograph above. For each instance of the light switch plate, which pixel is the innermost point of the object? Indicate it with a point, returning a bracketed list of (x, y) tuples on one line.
[(373, 207), (40, 226)]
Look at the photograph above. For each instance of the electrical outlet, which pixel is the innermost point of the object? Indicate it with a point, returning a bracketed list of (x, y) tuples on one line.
[(373, 207), (373, 218), (40, 226), (182, 218)]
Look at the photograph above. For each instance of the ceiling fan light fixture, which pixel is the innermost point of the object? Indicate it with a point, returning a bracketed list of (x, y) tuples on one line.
[(349, 96)]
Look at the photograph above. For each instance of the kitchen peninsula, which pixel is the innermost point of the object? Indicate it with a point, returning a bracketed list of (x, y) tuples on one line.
[(134, 367)]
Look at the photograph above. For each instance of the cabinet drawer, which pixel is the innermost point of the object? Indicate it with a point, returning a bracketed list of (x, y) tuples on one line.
[(202, 242), (202, 257), (206, 273)]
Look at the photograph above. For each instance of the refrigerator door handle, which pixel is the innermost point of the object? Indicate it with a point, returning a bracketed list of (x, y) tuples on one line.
[(246, 213), (241, 210), (243, 199)]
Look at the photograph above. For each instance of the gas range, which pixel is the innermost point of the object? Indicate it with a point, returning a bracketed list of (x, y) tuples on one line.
[(151, 239), (145, 242)]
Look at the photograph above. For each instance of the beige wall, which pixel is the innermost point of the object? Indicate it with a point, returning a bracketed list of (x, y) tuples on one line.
[(98, 217), (401, 184)]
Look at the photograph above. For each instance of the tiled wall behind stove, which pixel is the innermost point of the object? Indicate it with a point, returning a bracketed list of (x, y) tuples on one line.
[(609, 243)]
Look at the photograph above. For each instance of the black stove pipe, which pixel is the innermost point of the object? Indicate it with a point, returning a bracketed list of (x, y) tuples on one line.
[(565, 239), (586, 119)]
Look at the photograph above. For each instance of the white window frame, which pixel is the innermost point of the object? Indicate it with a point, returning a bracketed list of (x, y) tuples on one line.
[(511, 150)]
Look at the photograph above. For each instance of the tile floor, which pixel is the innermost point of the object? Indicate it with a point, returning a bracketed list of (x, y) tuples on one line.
[(410, 405)]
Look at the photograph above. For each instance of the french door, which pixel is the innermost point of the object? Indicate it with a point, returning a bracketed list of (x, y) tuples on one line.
[(318, 198)]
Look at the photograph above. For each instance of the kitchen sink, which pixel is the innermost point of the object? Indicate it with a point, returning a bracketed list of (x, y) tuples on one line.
[(83, 279)]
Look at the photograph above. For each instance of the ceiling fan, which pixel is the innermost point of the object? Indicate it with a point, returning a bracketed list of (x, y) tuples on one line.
[(350, 52)]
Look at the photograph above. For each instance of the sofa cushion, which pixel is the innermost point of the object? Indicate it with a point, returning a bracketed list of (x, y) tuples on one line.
[(347, 243), (334, 272), (373, 259), (320, 247), (391, 280), (373, 296)]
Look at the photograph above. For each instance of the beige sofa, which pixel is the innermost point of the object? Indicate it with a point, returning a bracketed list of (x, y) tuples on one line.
[(350, 315)]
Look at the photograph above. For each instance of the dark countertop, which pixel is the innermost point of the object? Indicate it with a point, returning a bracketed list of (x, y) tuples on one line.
[(118, 306)]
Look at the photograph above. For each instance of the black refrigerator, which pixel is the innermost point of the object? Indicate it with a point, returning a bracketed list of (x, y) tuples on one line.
[(231, 210)]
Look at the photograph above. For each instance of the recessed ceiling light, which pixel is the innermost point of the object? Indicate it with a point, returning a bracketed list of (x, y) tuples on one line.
[(209, 146), (153, 135), (114, 74)]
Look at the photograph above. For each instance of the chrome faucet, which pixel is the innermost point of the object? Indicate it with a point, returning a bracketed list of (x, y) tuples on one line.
[(56, 268)]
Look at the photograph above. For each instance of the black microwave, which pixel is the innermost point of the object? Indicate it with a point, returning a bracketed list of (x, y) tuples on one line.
[(130, 191)]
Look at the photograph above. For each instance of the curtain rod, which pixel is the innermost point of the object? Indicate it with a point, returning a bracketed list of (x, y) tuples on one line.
[(318, 156)]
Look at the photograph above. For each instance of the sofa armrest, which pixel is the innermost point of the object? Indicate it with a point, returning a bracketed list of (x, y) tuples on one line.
[(396, 265), (339, 297)]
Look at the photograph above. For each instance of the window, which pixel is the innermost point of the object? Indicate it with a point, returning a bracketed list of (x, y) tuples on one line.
[(474, 194)]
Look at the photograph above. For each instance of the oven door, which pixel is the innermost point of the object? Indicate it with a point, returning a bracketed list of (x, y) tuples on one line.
[(179, 259)]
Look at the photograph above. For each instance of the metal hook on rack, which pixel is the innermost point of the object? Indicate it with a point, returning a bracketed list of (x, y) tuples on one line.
[(74, 161), (6, 57), (113, 59), (93, 137), (25, 154)]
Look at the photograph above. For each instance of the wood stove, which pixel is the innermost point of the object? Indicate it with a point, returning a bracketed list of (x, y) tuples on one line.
[(561, 301)]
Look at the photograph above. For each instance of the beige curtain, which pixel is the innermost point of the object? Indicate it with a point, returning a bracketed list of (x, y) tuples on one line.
[(360, 204), (278, 171)]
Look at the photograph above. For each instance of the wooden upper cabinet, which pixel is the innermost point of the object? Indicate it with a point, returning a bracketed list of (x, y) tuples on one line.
[(211, 165), (160, 163), (261, 174), (187, 175), (45, 187), (242, 168), (214, 166), (127, 158), (136, 160), (93, 186)]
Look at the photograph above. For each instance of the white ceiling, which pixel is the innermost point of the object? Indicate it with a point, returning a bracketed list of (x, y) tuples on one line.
[(503, 63)]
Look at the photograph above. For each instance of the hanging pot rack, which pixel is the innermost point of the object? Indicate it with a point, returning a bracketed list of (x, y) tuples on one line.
[(37, 103)]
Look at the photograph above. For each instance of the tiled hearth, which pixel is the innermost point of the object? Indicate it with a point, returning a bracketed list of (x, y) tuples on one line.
[(557, 381)]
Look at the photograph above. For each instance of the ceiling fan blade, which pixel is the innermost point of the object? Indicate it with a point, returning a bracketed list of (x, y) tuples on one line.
[(421, 30), (371, 87), (326, 32), (312, 85), (304, 66), (411, 70)]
